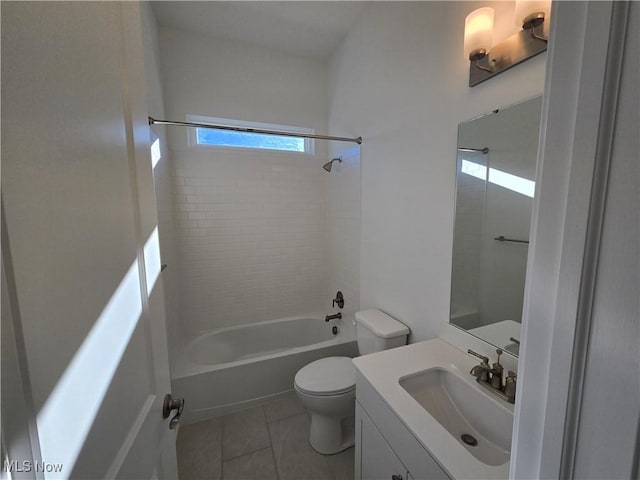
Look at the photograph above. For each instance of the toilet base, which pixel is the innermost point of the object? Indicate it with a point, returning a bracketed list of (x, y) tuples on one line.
[(331, 435)]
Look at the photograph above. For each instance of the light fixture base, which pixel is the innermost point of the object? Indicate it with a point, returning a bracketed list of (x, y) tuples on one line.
[(532, 21), (514, 50), (477, 54)]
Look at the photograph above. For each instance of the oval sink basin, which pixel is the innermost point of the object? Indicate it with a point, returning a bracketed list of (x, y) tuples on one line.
[(479, 422)]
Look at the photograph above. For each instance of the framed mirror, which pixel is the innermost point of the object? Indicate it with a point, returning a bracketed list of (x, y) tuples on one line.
[(495, 183)]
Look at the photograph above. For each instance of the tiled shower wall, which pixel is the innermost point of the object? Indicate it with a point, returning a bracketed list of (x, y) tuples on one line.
[(250, 230), (258, 234), (343, 233)]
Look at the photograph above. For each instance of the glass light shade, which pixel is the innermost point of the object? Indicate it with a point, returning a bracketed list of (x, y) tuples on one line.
[(478, 31), (524, 8)]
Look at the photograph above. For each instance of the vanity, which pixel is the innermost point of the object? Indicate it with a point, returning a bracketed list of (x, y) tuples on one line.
[(421, 415)]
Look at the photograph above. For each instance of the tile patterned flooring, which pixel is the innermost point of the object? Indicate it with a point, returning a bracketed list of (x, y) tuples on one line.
[(270, 442)]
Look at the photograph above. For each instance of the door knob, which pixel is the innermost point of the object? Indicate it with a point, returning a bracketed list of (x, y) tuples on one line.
[(170, 404)]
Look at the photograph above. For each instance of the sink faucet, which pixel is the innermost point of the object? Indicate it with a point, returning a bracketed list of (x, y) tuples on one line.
[(491, 377), (483, 370)]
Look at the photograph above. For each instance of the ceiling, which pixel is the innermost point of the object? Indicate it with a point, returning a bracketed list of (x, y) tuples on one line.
[(308, 29)]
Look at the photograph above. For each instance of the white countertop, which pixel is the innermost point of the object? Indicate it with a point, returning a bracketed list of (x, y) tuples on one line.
[(383, 370)]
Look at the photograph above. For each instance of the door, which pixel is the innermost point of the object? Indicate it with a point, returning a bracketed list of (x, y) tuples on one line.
[(81, 236), (612, 359), (579, 410)]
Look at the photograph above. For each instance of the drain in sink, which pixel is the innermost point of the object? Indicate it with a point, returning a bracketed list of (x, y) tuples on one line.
[(469, 439)]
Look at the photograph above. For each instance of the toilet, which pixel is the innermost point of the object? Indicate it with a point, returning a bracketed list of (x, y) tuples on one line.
[(327, 387)]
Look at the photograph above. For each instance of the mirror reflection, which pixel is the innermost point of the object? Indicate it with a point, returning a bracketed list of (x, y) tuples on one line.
[(495, 183)]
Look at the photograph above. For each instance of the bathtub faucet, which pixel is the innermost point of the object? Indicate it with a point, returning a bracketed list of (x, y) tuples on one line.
[(333, 317)]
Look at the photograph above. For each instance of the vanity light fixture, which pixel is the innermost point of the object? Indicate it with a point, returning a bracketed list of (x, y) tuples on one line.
[(478, 34), (488, 60)]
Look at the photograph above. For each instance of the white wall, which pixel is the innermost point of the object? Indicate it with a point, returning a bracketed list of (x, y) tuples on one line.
[(218, 78), (250, 225), (401, 82), (162, 179)]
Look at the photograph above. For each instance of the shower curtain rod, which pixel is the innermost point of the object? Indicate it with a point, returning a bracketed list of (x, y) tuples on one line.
[(153, 121)]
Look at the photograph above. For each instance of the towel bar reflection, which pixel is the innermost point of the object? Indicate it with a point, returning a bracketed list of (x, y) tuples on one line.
[(502, 238)]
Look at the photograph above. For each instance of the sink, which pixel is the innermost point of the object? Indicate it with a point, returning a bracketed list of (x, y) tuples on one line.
[(427, 388), (477, 421)]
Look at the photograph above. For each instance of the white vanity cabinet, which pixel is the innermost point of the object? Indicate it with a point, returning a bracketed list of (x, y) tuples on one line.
[(401, 433), (385, 449), (377, 459)]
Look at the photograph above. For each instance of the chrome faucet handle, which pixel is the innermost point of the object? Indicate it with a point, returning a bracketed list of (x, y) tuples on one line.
[(485, 360), (482, 371), (497, 367), (510, 386), (496, 372), (339, 300), (499, 352)]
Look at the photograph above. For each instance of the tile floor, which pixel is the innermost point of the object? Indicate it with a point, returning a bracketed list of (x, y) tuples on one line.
[(270, 442)]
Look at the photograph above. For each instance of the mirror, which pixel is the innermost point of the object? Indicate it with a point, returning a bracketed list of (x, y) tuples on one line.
[(496, 167)]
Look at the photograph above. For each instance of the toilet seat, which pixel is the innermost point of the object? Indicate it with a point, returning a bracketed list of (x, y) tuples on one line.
[(327, 376)]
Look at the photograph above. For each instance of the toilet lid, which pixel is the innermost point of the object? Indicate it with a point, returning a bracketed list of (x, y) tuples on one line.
[(327, 376)]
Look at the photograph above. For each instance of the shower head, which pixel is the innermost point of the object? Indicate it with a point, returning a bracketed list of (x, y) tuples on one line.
[(327, 166)]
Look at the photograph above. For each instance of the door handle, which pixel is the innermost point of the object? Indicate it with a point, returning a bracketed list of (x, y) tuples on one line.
[(170, 404)]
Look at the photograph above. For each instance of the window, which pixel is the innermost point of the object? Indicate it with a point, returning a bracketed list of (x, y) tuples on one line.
[(260, 141)]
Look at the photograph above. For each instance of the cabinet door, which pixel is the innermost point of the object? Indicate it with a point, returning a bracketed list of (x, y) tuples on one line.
[(377, 460)]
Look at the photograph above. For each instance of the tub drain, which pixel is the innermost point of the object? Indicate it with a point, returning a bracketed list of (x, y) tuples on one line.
[(469, 439)]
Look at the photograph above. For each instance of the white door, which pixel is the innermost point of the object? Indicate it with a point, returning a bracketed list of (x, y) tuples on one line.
[(579, 410), (84, 282)]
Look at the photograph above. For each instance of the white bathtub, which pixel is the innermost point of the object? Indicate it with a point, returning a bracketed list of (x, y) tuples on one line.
[(229, 369)]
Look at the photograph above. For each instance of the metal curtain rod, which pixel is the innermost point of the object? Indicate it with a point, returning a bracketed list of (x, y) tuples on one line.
[(153, 121)]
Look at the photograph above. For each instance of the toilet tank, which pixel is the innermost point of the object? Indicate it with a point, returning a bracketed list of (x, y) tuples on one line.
[(377, 331)]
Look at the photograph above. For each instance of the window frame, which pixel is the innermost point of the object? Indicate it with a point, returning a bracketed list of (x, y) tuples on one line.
[(192, 138)]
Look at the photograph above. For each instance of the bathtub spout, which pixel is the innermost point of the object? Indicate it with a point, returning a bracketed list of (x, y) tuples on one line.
[(333, 317)]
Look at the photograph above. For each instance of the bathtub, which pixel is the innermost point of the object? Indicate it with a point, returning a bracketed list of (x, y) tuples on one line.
[(230, 369)]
